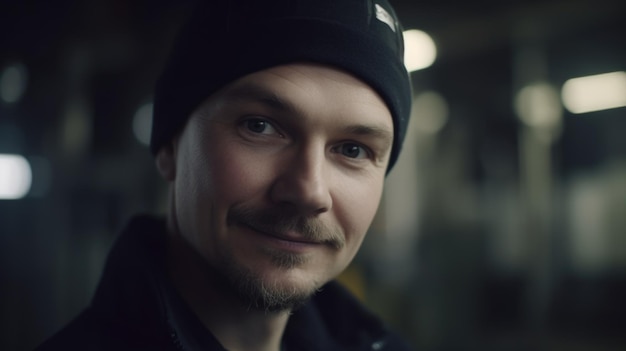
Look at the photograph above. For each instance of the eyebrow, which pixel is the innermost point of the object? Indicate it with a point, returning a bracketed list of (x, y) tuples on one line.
[(383, 134), (260, 94)]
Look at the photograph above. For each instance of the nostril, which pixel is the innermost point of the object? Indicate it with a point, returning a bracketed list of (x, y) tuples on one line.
[(309, 195), (320, 211)]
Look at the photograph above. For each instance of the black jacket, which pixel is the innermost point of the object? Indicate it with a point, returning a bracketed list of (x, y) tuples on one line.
[(136, 308)]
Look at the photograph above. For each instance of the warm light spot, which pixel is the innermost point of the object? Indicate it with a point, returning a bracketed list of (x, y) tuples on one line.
[(15, 177), (595, 93), (419, 50)]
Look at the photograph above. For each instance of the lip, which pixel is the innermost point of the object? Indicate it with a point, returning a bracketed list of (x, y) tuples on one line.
[(289, 241)]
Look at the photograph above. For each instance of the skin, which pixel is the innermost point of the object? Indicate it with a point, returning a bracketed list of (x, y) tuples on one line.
[(274, 182)]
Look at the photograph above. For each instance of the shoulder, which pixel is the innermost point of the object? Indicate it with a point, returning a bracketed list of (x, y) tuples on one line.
[(79, 333), (89, 331), (347, 319)]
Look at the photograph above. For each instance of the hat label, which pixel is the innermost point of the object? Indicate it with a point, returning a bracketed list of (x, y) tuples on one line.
[(384, 16)]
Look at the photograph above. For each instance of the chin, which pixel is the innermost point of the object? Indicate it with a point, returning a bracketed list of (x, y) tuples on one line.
[(285, 291), (279, 285)]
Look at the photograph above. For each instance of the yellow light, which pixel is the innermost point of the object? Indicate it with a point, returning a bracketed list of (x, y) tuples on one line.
[(15, 177), (419, 50), (595, 93)]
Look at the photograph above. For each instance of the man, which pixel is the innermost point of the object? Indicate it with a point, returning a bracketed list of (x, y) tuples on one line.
[(275, 124)]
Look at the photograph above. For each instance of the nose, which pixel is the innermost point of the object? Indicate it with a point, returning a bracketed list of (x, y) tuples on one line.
[(303, 183)]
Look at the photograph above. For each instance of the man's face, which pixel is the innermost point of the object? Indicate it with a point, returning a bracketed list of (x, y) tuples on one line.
[(278, 177)]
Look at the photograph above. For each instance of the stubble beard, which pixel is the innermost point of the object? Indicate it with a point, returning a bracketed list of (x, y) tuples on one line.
[(261, 294), (274, 296)]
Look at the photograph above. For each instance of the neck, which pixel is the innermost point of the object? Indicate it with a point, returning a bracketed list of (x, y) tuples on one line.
[(236, 325)]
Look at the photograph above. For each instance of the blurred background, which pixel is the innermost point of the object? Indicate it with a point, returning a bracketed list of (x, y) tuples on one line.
[(503, 226)]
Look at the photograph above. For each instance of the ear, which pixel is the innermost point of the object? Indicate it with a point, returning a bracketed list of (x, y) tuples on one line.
[(166, 161)]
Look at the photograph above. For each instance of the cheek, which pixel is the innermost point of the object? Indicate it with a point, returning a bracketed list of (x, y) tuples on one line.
[(193, 180), (356, 209), (211, 178), (238, 176)]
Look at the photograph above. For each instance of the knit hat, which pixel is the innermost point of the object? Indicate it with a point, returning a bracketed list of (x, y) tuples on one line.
[(226, 40)]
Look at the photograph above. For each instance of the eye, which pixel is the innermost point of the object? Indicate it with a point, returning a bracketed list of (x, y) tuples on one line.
[(352, 150), (259, 126)]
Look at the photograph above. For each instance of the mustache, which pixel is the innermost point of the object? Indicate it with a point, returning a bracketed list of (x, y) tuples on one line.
[(277, 221)]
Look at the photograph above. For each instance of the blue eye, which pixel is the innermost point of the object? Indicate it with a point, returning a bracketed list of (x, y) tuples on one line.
[(259, 126), (352, 150)]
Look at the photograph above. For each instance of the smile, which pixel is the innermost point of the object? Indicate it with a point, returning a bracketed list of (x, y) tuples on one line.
[(286, 241)]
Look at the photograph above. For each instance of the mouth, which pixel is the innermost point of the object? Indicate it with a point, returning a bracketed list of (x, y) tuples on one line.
[(289, 236), (287, 230)]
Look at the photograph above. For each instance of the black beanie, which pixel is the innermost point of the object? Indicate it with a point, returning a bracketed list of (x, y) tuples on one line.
[(226, 40)]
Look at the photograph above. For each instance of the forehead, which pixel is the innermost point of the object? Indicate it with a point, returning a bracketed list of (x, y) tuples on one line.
[(311, 88)]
